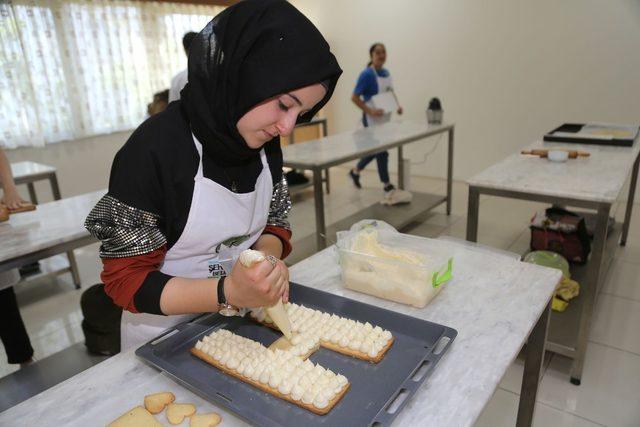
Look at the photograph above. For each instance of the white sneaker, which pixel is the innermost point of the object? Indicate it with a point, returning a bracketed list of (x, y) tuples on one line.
[(396, 197)]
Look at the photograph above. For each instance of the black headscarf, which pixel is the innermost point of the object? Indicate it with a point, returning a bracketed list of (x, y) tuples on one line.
[(252, 51)]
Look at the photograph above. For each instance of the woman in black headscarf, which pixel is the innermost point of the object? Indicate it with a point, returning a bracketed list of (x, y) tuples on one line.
[(202, 181)]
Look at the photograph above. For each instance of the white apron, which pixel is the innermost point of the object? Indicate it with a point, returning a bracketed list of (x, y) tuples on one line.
[(384, 85), (217, 215)]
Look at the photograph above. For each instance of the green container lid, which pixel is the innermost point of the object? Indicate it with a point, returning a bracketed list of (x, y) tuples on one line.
[(549, 259)]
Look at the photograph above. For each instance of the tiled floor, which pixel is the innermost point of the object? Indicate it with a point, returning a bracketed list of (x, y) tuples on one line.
[(610, 390)]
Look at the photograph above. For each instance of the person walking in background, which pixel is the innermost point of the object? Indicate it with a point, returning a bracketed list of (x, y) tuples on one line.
[(179, 80), (373, 80), (12, 331)]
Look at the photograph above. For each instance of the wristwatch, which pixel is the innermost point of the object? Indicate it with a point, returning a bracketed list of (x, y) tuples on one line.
[(225, 308)]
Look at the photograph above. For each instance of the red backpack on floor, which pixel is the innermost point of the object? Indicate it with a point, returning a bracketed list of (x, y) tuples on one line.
[(561, 231)]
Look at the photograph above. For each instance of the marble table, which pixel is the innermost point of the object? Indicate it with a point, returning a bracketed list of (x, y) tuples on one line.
[(30, 172), (51, 229), (594, 183), (320, 154), (494, 302)]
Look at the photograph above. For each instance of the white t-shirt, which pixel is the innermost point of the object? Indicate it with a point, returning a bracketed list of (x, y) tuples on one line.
[(9, 278), (177, 83)]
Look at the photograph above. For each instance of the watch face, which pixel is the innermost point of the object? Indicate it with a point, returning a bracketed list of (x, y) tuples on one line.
[(228, 310)]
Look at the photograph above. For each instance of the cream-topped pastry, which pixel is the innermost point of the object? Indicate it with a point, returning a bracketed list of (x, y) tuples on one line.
[(363, 340), (282, 372), (287, 372)]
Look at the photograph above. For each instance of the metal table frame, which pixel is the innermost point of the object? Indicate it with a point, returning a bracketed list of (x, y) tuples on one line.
[(50, 251), (30, 179), (534, 357), (55, 190), (595, 273), (292, 140), (321, 227)]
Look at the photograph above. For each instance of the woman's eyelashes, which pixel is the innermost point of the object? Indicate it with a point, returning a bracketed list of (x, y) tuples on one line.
[(283, 106)]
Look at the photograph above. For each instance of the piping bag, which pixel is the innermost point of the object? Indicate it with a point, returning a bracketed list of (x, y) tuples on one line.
[(277, 312)]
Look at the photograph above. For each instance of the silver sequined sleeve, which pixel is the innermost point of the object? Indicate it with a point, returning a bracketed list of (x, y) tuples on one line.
[(123, 230), (280, 205)]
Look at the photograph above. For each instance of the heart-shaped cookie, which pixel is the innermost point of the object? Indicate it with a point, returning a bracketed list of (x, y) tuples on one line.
[(176, 412), (155, 403), (137, 416), (211, 419)]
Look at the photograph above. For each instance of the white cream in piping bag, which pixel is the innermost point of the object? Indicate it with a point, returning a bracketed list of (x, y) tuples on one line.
[(277, 312)]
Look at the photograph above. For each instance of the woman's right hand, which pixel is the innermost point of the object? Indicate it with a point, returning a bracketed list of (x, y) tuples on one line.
[(261, 285), (375, 112)]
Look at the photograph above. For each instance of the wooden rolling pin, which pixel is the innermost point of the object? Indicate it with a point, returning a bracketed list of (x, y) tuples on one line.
[(573, 154)]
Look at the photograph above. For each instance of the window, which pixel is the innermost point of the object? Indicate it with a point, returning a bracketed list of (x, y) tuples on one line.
[(78, 68)]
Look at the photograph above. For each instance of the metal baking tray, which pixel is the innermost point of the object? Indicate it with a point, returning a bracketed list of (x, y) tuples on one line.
[(588, 133), (378, 391)]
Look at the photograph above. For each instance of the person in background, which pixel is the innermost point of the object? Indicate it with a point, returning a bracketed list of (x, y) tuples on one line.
[(12, 331), (374, 79), (179, 80), (159, 103)]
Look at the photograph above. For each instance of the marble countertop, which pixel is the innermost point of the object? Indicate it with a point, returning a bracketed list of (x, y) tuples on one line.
[(51, 224), (597, 178), (493, 302), (344, 146), (21, 171)]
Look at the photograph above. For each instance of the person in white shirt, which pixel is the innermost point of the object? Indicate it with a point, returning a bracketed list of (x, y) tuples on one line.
[(179, 80)]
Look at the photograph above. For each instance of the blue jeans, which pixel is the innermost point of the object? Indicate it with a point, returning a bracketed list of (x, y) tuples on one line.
[(383, 165)]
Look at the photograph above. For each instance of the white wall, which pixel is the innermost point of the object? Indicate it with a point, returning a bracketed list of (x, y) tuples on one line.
[(82, 165), (505, 70)]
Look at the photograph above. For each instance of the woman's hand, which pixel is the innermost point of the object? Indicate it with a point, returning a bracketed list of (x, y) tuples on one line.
[(12, 199), (375, 112), (400, 110), (258, 286)]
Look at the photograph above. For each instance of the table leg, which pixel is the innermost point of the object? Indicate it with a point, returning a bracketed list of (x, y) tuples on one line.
[(589, 291), (472, 214), (450, 171), (321, 229), (32, 193), (326, 180), (400, 169), (75, 275), (55, 189), (632, 192), (73, 265), (323, 124), (532, 369)]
